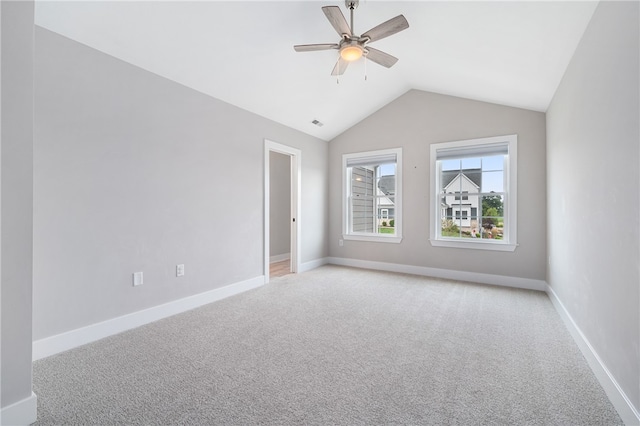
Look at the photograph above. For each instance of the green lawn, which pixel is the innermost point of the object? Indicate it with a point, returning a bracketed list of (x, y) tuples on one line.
[(450, 233), (466, 235), (383, 230)]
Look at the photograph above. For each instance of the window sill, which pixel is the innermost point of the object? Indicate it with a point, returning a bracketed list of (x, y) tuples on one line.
[(475, 245), (373, 238)]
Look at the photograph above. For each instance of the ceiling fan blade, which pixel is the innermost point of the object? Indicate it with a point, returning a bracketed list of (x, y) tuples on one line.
[(314, 47), (379, 57), (387, 28), (340, 67), (335, 16)]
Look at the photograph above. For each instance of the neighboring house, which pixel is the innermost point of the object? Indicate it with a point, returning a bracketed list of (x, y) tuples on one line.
[(386, 206), (459, 204), (363, 201), (367, 209)]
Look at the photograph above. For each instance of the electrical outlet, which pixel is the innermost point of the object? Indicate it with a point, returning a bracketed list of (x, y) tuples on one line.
[(180, 270), (340, 243), (138, 278)]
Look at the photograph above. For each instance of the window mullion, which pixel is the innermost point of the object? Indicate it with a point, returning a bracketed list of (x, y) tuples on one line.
[(460, 203)]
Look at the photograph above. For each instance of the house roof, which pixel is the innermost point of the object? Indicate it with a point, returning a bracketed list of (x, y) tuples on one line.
[(384, 201), (510, 53), (387, 184), (474, 175)]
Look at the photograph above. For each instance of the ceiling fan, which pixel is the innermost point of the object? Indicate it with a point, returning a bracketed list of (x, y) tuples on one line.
[(351, 46)]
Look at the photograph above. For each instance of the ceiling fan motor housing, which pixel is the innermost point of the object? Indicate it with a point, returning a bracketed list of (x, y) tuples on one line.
[(351, 49)]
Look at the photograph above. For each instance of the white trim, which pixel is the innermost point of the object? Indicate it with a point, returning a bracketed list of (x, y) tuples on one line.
[(378, 238), (296, 203), (71, 339), (313, 264), (23, 412), (279, 257), (478, 244), (475, 277), (620, 401)]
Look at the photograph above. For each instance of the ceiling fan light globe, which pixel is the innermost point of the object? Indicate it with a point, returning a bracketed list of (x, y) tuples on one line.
[(351, 53)]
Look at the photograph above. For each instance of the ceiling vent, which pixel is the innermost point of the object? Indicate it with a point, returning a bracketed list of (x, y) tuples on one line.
[(317, 123)]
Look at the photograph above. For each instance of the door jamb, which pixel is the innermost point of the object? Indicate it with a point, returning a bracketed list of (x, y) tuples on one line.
[(296, 161)]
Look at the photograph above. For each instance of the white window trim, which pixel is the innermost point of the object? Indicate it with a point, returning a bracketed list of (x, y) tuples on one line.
[(380, 238), (511, 207)]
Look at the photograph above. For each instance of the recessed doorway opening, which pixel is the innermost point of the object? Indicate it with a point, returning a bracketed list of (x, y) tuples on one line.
[(281, 210)]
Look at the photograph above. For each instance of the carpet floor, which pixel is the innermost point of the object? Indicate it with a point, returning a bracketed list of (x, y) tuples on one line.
[(335, 346)]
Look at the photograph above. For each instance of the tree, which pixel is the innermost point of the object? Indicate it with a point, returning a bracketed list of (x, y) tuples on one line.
[(491, 212), (488, 219), (492, 202)]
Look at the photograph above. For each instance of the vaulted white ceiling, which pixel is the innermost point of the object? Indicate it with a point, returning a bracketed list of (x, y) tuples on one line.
[(511, 53)]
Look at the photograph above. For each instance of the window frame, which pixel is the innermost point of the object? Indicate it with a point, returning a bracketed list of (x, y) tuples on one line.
[(510, 241), (347, 234)]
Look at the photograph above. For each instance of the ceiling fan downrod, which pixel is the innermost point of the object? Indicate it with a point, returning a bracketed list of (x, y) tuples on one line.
[(351, 5)]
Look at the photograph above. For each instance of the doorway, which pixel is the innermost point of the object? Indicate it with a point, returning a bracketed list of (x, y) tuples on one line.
[(282, 209), (279, 214)]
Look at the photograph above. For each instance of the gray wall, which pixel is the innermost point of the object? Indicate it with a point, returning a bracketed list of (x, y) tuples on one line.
[(593, 180), (16, 195), (279, 204), (134, 172), (416, 120)]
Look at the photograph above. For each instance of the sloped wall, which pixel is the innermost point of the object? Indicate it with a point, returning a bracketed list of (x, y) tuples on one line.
[(416, 120), (134, 172)]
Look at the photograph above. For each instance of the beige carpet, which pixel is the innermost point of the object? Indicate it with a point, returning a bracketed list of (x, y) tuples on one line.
[(335, 346)]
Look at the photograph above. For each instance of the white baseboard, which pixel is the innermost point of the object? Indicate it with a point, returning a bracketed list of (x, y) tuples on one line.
[(279, 257), (20, 413), (61, 342), (475, 277), (626, 410), (313, 264)]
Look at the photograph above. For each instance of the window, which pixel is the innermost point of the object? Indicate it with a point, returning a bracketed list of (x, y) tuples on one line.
[(372, 196), (473, 195), (464, 197)]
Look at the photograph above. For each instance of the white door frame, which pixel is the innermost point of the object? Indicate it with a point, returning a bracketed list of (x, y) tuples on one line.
[(296, 160)]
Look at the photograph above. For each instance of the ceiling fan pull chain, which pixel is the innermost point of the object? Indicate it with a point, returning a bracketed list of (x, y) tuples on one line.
[(365, 67)]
